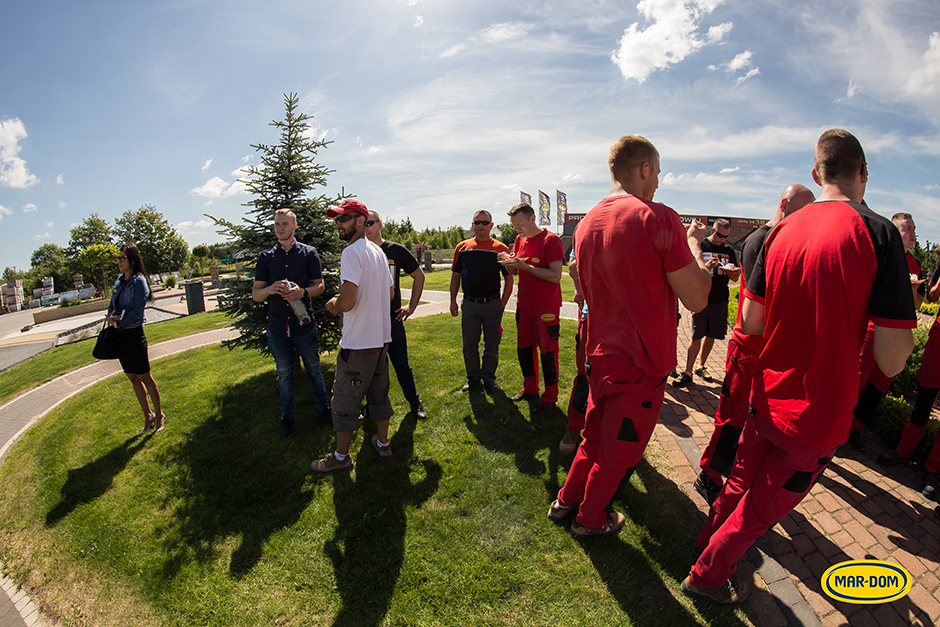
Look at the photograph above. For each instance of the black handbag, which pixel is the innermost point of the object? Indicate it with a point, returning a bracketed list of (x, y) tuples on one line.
[(108, 346)]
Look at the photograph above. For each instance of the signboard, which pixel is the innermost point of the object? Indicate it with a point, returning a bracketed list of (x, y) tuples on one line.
[(228, 259), (574, 217)]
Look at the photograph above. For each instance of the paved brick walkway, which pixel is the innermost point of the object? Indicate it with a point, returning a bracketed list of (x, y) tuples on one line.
[(857, 510)]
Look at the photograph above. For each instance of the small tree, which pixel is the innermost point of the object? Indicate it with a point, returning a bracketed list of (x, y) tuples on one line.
[(288, 173), (93, 230), (201, 252), (160, 246), (95, 261)]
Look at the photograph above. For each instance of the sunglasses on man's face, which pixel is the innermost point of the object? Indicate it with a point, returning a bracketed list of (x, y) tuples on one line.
[(722, 235), (481, 222), (345, 218), (371, 222)]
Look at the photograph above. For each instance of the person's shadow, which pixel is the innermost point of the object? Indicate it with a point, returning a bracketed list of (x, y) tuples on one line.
[(368, 547), (85, 484), (238, 478), (634, 576), (502, 427)]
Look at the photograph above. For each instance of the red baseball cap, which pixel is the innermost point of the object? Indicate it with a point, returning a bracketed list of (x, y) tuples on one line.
[(348, 206)]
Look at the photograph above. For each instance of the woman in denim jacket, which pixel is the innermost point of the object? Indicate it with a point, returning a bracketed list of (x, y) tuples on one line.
[(126, 313)]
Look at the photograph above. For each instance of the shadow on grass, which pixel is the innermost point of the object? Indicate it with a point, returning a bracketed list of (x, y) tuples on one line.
[(85, 484), (237, 478), (501, 426), (368, 547), (664, 522)]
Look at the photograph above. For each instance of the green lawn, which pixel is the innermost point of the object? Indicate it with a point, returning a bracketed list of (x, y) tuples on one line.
[(217, 521), (440, 280), (61, 359)]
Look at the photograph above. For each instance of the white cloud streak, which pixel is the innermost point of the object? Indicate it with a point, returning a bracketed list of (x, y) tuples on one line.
[(206, 165), (30, 208), (5, 211)]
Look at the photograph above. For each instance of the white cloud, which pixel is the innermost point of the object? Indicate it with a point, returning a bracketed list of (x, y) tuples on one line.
[(13, 170), (190, 227), (60, 180), (49, 225), (571, 177), (750, 74), (741, 61), (419, 21), (206, 165), (30, 208), (246, 158), (504, 32), (924, 79), (453, 50), (62, 204), (730, 170), (5, 211), (45, 235), (854, 88), (218, 188), (374, 150), (671, 36)]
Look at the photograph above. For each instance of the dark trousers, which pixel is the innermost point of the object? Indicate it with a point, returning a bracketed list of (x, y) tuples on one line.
[(398, 355)]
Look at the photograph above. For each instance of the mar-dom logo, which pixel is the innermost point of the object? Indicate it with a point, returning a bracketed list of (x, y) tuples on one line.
[(866, 581)]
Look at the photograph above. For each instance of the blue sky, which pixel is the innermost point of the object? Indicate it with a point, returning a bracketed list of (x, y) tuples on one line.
[(439, 108)]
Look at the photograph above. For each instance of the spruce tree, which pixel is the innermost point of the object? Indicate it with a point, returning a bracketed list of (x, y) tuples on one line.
[(286, 177)]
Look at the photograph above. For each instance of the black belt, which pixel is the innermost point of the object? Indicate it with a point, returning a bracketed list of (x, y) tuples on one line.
[(482, 301)]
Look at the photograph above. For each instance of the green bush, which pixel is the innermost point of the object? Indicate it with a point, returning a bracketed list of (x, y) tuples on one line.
[(733, 307), (170, 282), (930, 308), (889, 420)]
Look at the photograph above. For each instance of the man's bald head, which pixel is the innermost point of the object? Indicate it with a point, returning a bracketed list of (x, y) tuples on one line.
[(794, 198)]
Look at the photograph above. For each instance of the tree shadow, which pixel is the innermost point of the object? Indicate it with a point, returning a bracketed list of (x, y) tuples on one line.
[(368, 547), (238, 478), (85, 484), (500, 426), (665, 521)]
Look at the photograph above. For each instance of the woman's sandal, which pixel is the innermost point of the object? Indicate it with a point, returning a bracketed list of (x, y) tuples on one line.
[(148, 423), (159, 425)]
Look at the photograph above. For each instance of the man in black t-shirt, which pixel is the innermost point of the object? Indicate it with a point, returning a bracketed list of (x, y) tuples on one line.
[(712, 322), (400, 259)]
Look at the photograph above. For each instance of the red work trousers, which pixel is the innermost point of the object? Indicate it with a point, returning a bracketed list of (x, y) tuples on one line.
[(772, 474), (623, 406)]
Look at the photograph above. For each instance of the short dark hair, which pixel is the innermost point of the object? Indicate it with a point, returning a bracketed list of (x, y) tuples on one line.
[(523, 207), (488, 214), (721, 223), (838, 155), (899, 217), (628, 152)]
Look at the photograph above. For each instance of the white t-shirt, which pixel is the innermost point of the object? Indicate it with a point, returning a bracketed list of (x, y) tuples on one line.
[(368, 324)]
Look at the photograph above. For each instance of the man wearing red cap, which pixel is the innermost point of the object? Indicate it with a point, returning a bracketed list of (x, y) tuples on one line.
[(363, 301)]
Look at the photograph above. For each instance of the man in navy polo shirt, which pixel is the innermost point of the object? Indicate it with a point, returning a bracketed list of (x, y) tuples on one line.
[(287, 273)]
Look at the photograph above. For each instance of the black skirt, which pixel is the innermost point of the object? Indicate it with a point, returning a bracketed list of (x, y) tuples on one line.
[(134, 358)]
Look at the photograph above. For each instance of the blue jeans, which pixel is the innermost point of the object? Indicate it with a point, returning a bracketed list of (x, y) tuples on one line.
[(283, 350), (398, 355)]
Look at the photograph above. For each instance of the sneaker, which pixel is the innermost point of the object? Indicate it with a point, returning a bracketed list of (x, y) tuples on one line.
[(287, 425), (419, 410), (469, 385), (491, 387), (702, 371), (615, 522), (930, 485), (706, 487), (890, 458), (558, 512), (543, 408), (682, 380), (330, 464), (569, 443), (385, 452), (524, 396), (729, 594), (674, 373)]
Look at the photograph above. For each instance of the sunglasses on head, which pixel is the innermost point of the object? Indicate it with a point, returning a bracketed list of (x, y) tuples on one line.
[(481, 222), (346, 217)]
